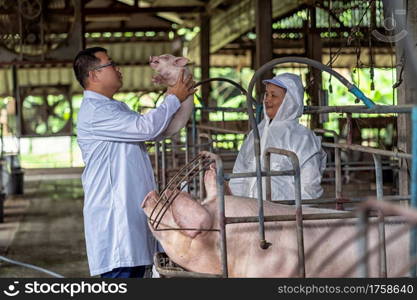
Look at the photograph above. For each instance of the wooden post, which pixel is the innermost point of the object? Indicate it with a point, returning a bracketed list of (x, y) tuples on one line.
[(263, 15), (205, 61), (314, 51), (407, 94)]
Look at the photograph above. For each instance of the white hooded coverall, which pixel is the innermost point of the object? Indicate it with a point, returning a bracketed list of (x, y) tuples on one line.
[(283, 132)]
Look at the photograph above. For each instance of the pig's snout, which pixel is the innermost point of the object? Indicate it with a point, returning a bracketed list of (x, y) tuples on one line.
[(153, 59)]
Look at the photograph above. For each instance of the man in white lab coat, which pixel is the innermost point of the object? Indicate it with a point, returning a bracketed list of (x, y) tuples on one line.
[(118, 172)]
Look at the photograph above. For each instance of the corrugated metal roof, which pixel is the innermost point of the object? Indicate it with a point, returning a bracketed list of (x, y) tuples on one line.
[(133, 57)]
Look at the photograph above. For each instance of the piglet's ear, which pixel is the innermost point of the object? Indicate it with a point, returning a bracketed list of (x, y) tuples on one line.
[(181, 61), (188, 213)]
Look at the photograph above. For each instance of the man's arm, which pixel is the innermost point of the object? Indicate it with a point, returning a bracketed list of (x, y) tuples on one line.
[(112, 122)]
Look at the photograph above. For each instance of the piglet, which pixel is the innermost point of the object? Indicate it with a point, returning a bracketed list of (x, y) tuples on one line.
[(168, 68)]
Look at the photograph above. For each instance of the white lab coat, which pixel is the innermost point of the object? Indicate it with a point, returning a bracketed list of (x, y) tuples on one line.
[(284, 132), (117, 177)]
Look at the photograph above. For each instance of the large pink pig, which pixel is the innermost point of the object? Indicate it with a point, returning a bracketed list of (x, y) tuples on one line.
[(198, 250), (168, 68)]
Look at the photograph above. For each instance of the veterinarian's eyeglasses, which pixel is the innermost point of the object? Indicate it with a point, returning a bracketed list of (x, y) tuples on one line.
[(112, 63)]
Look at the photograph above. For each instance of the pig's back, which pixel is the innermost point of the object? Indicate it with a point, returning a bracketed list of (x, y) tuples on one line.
[(331, 246)]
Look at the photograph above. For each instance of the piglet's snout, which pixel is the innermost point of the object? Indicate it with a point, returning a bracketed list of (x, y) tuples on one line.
[(153, 59)]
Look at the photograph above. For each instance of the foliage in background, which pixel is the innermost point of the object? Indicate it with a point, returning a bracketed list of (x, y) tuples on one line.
[(225, 95)]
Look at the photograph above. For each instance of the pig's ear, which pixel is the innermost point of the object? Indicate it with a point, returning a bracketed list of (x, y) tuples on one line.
[(151, 197), (181, 61), (188, 213), (210, 183)]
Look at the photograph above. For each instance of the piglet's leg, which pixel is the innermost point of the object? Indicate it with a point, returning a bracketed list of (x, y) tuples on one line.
[(180, 118)]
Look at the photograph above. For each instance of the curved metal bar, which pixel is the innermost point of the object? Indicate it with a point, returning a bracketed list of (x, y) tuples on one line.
[(266, 67), (168, 200), (313, 63), (381, 225), (352, 88), (241, 89), (189, 170)]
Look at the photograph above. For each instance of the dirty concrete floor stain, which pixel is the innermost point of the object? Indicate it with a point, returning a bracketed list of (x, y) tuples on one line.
[(51, 231)]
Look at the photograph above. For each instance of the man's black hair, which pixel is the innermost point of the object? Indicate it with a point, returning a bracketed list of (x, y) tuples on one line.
[(84, 62)]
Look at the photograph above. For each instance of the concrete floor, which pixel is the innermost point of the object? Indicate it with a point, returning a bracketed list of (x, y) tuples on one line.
[(44, 227)]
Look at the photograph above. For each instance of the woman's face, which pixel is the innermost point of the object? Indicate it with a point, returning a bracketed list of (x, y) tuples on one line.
[(274, 95)]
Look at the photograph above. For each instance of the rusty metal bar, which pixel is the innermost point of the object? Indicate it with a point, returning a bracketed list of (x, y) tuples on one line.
[(174, 186), (381, 225), (228, 176), (346, 200), (282, 218), (188, 172)]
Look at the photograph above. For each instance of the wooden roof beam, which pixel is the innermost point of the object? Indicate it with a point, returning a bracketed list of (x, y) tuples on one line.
[(238, 19), (151, 9)]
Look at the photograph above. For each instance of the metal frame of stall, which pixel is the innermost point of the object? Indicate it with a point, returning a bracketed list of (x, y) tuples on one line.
[(193, 144), (299, 217)]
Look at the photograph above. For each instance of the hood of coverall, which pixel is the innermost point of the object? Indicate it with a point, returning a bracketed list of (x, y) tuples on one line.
[(293, 105)]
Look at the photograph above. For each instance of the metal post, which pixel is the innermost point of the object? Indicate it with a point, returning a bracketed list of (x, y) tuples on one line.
[(259, 196), (413, 204), (200, 173), (338, 174), (267, 166), (299, 215), (222, 215), (362, 243), (381, 224), (263, 43), (194, 151), (297, 193), (157, 175), (163, 165)]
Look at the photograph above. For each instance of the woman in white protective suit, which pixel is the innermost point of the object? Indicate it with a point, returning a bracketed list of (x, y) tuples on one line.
[(283, 106)]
